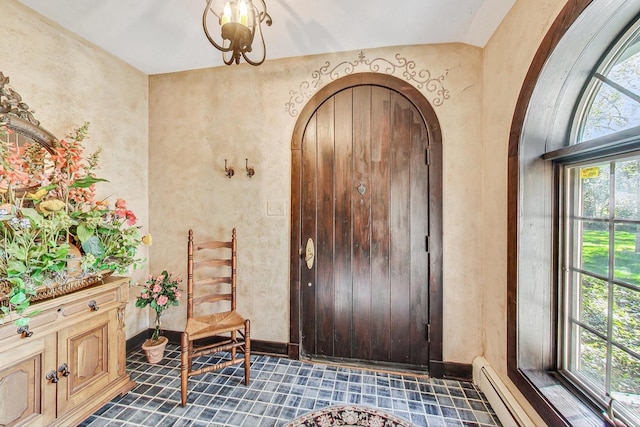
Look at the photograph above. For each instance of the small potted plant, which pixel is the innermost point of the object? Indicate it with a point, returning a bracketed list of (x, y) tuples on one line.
[(159, 292)]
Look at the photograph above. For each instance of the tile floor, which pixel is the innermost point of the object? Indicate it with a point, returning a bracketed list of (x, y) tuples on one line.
[(281, 390)]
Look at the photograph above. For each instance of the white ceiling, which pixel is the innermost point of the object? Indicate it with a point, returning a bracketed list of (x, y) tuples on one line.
[(161, 36)]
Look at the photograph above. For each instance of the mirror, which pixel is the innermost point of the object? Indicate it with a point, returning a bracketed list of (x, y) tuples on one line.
[(24, 141)]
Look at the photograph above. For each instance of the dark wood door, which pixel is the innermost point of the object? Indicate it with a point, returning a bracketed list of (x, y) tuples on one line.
[(365, 205)]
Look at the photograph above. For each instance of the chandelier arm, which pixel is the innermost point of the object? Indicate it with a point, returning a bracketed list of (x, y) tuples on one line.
[(230, 60), (263, 14), (258, 29), (206, 31)]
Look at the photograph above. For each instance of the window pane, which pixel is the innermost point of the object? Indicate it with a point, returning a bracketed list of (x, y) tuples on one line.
[(594, 199), (594, 297), (626, 318), (611, 112), (616, 104), (627, 197), (591, 357), (626, 71), (595, 248), (625, 381), (626, 256)]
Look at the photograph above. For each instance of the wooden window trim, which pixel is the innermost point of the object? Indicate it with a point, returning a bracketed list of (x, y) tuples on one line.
[(520, 378)]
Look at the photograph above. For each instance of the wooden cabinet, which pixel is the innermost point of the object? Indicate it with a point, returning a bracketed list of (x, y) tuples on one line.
[(72, 364)]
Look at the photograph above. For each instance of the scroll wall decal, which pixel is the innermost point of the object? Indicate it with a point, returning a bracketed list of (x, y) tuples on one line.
[(403, 67)]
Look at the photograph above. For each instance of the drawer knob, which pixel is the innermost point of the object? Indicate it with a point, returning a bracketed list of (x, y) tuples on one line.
[(52, 376), (93, 305), (24, 331), (64, 370)]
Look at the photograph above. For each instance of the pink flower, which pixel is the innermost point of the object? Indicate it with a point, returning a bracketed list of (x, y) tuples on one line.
[(121, 204), (131, 218), (162, 300), (178, 295), (156, 288)]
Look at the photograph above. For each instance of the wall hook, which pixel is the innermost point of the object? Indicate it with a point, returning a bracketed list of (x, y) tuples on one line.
[(250, 170), (228, 171)]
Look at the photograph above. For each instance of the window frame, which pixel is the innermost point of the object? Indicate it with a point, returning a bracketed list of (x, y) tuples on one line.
[(566, 299), (541, 125)]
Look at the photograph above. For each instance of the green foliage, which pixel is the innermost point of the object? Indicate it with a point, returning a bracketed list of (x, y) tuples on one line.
[(594, 309), (38, 228)]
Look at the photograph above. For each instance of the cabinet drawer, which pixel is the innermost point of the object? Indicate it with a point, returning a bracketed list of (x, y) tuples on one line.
[(89, 303), (57, 312)]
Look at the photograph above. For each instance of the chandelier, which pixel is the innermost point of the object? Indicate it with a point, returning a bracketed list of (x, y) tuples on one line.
[(238, 21)]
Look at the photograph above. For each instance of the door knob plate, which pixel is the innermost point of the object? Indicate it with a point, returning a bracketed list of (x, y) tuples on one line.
[(309, 253)]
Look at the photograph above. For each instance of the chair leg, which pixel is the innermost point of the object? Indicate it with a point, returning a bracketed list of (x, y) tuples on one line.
[(247, 351), (234, 339), (185, 366)]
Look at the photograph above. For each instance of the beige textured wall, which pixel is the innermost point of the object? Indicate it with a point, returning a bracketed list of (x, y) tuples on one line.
[(67, 82), (507, 58), (198, 118)]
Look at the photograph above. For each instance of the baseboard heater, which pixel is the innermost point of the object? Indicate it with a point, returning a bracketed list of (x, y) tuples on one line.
[(500, 398)]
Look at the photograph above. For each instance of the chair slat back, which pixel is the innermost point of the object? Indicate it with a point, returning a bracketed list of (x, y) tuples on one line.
[(209, 259), (211, 298)]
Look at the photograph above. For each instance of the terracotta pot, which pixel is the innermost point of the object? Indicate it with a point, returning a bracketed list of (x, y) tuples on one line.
[(154, 350)]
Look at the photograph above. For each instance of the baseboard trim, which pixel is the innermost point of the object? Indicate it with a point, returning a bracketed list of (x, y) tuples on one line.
[(294, 351), (437, 369), (451, 370), (257, 346), (136, 341)]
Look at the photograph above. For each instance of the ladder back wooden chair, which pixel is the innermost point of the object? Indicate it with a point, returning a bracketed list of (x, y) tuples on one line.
[(218, 327)]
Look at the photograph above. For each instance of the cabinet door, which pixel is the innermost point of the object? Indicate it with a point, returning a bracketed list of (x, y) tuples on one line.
[(26, 396), (84, 348)]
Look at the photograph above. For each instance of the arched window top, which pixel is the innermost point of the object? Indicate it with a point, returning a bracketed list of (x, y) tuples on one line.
[(611, 102)]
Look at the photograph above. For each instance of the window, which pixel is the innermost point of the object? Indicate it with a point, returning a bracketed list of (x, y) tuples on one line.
[(600, 230), (601, 340), (574, 214)]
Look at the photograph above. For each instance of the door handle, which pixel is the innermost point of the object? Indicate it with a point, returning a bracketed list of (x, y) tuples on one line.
[(309, 253), (52, 376), (64, 370)]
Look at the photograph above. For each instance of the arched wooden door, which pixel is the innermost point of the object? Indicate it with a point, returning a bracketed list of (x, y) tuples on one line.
[(366, 218)]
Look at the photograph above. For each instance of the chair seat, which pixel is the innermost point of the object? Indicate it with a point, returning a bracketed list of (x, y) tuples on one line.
[(214, 324)]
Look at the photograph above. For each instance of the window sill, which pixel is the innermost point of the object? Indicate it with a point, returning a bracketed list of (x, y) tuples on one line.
[(560, 398)]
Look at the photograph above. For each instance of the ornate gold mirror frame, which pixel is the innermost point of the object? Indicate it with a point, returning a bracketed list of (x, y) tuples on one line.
[(16, 116), (21, 133)]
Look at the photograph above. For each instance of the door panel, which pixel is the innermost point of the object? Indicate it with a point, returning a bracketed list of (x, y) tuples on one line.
[(364, 201), (361, 223), (325, 298), (342, 261), (84, 348), (308, 223), (380, 238), (26, 396)]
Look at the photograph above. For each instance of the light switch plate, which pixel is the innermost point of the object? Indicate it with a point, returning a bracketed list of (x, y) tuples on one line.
[(276, 209)]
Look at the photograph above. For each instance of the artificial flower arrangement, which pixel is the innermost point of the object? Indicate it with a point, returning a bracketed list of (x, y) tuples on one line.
[(159, 292), (46, 208)]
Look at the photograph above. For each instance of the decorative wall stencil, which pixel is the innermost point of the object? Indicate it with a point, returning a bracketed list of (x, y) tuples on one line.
[(402, 67)]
